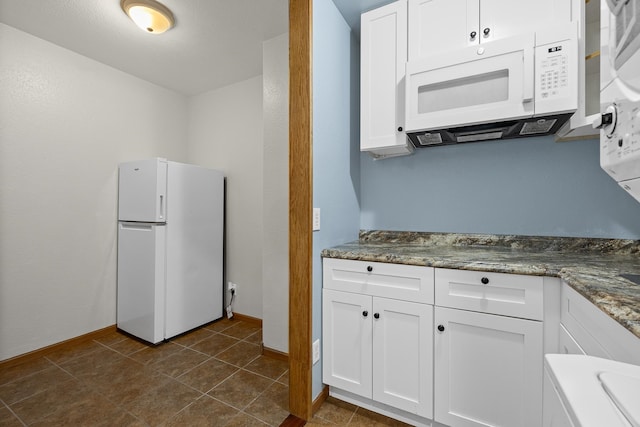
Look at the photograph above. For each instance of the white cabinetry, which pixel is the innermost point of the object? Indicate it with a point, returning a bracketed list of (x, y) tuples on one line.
[(590, 32), (437, 26), (585, 329), (383, 50), (376, 347), (487, 367), (347, 337), (402, 355)]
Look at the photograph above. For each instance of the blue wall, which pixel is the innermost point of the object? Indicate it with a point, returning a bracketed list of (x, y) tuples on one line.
[(336, 156), (530, 186)]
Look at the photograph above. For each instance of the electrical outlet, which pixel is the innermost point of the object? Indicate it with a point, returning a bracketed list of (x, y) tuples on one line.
[(232, 287), (316, 351), (316, 219)]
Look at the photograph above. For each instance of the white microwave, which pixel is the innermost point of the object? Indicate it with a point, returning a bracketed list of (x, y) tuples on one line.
[(620, 87), (525, 85)]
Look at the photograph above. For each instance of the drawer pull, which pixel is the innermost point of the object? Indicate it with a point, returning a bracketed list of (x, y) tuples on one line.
[(365, 313), (376, 315), (484, 280), (369, 268), (441, 328)]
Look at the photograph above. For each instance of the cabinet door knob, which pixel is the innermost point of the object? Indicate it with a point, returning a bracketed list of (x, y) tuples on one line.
[(473, 35), (376, 315), (486, 31), (484, 280), (369, 268), (365, 313), (441, 328), (399, 128)]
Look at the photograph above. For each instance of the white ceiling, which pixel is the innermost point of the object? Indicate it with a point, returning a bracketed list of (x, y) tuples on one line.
[(214, 43)]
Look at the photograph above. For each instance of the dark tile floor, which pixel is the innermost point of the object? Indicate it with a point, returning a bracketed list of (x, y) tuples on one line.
[(213, 376), (337, 412)]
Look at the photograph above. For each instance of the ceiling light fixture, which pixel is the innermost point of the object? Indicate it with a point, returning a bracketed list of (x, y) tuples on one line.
[(149, 15)]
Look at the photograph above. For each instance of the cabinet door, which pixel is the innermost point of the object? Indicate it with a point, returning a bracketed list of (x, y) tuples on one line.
[(506, 18), (402, 355), (437, 26), (346, 333), (487, 369), (383, 53)]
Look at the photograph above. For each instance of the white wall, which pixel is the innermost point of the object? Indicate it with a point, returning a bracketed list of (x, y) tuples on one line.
[(275, 193), (225, 133), (65, 123)]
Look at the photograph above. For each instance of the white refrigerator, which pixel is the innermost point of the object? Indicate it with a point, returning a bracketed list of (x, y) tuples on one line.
[(170, 248)]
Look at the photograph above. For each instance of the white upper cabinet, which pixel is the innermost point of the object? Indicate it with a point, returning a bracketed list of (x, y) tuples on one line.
[(438, 26), (383, 55), (431, 30), (590, 74)]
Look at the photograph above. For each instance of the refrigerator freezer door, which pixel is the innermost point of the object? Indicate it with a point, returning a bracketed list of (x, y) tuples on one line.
[(141, 280), (142, 191), (194, 247)]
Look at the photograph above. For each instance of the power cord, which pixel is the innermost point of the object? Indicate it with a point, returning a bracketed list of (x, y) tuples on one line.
[(229, 311)]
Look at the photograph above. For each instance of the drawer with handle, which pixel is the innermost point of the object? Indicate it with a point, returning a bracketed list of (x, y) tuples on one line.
[(496, 293), (397, 281)]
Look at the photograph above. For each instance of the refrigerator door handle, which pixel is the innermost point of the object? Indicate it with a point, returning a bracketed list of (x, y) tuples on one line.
[(136, 226), (161, 206)]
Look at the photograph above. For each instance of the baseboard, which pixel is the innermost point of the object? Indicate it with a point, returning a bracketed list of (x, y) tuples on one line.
[(248, 319), (35, 354), (318, 401), (293, 421), (275, 354)]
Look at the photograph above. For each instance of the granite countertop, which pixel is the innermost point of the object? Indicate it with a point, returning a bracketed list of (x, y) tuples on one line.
[(590, 266)]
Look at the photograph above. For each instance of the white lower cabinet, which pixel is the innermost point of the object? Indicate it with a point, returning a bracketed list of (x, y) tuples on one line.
[(402, 355), (434, 347), (347, 337), (487, 369), (379, 348)]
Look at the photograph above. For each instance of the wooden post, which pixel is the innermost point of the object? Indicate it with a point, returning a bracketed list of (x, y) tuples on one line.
[(300, 207)]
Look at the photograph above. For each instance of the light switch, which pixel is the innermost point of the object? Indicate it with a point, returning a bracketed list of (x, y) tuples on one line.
[(316, 219), (316, 351)]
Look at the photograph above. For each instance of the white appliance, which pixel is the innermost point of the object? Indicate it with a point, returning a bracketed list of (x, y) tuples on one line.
[(620, 120), (520, 86), (587, 391), (170, 248)]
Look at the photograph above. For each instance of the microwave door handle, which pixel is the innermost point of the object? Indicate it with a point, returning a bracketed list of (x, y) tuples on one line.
[(527, 75)]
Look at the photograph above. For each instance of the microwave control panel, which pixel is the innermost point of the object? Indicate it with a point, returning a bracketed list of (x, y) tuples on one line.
[(555, 77), (552, 65)]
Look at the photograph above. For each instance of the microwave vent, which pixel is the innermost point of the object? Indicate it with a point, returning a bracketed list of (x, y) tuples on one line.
[(541, 126), (480, 136), (430, 139)]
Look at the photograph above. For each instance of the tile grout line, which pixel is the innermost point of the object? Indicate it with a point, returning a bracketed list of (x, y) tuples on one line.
[(115, 353), (13, 412), (258, 397), (93, 390), (127, 356)]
